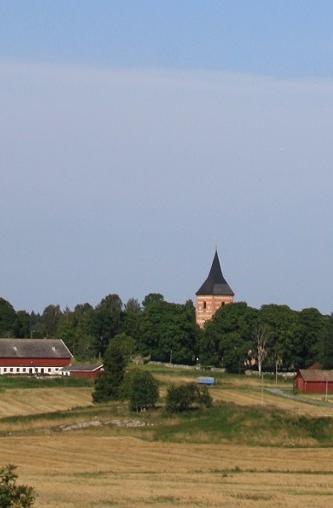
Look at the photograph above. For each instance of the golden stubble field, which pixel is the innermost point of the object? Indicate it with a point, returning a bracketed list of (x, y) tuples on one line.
[(27, 401), (93, 469), (107, 466)]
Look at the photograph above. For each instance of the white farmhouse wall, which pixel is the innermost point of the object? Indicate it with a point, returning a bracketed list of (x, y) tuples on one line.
[(51, 371)]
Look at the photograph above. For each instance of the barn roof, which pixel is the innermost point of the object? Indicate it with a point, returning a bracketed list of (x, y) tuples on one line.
[(33, 348), (315, 365), (83, 367), (316, 375), (215, 284)]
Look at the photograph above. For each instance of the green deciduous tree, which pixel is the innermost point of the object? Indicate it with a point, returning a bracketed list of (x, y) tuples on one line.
[(36, 328), (152, 299), (11, 494), (132, 325), (235, 352), (126, 344), (313, 329), (50, 320), (227, 338), (107, 321), (143, 390), (169, 332), (285, 341), (23, 324), (7, 319), (186, 396), (325, 346), (76, 329)]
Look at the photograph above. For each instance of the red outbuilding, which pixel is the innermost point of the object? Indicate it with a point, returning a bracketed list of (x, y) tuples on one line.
[(33, 356), (83, 371), (314, 381)]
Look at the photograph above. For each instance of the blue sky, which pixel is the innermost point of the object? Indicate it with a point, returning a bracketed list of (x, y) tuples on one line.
[(279, 38), (136, 136)]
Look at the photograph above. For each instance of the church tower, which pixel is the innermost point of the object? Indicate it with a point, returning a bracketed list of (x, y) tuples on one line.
[(213, 294)]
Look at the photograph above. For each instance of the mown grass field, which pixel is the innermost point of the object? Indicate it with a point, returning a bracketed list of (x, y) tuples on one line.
[(97, 470), (31, 401), (252, 449)]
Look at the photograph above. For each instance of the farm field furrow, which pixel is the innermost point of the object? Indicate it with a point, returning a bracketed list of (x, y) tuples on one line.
[(81, 470), (33, 401)]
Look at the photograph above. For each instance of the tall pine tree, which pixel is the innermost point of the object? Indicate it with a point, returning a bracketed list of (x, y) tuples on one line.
[(108, 385)]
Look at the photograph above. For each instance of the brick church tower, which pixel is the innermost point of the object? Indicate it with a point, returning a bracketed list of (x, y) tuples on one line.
[(214, 293)]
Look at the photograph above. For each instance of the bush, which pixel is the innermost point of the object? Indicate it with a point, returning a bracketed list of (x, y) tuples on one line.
[(187, 396), (142, 389), (12, 495), (126, 386), (205, 398)]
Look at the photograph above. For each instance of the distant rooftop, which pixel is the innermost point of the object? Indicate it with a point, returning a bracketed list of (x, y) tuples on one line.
[(317, 375), (215, 284), (33, 348)]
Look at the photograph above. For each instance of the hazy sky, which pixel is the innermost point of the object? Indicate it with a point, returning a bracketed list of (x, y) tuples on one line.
[(136, 136)]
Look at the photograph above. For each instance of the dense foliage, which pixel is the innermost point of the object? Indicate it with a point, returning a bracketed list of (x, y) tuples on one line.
[(137, 386), (187, 396), (143, 392), (108, 386), (238, 336), (11, 494)]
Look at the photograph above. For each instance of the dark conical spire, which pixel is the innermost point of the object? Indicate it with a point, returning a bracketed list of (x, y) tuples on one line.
[(215, 284)]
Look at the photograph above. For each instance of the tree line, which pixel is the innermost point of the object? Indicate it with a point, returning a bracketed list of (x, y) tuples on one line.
[(238, 336)]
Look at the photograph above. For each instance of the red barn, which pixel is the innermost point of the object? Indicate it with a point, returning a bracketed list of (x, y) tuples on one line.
[(314, 381), (33, 356), (83, 371)]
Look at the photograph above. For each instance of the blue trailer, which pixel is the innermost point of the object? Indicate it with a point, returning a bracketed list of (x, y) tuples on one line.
[(206, 380)]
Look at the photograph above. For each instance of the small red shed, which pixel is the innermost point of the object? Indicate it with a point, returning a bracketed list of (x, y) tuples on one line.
[(314, 381), (83, 371)]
